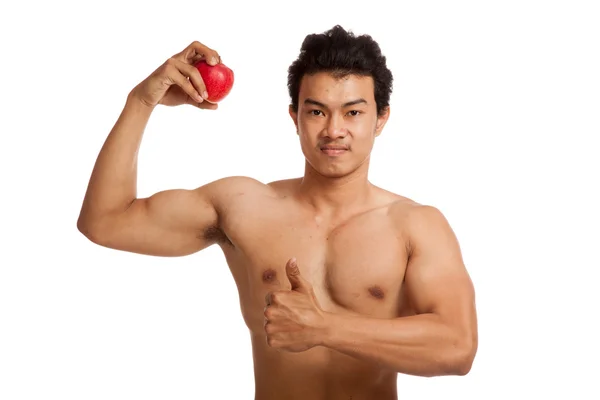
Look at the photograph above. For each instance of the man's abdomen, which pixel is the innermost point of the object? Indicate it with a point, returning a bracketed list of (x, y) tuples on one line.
[(317, 374)]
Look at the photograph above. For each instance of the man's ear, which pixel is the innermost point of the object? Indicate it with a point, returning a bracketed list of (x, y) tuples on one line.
[(381, 120), (294, 116)]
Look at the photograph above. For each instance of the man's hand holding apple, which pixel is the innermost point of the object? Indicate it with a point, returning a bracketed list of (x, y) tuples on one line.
[(194, 76)]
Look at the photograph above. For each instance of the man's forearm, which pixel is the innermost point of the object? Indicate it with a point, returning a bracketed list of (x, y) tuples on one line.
[(113, 183), (420, 345)]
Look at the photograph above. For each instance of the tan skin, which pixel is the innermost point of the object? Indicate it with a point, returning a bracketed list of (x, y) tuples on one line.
[(342, 284)]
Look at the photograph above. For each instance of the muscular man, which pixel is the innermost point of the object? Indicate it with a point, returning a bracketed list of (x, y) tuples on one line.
[(342, 284)]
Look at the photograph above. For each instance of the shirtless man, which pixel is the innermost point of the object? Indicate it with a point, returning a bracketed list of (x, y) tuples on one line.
[(342, 284)]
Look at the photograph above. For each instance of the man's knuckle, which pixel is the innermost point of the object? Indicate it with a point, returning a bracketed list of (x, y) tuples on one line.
[(269, 329), (168, 69), (275, 297)]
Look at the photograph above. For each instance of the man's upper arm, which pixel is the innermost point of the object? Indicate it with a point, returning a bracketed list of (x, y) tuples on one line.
[(168, 223), (436, 279)]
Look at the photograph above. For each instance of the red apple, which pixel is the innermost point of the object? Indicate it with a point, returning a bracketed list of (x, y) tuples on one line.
[(217, 78)]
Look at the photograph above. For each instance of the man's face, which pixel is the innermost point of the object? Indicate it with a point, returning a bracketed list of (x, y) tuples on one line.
[(337, 122)]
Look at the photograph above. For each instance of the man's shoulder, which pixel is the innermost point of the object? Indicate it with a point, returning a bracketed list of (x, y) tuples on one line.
[(233, 189), (283, 188), (418, 222), (397, 205), (238, 183), (407, 211), (242, 181), (415, 222), (283, 184), (230, 189)]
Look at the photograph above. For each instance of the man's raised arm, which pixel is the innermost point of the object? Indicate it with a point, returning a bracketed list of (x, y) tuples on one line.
[(170, 222)]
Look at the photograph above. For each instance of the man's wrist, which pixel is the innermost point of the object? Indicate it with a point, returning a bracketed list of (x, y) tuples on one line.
[(136, 102), (332, 323)]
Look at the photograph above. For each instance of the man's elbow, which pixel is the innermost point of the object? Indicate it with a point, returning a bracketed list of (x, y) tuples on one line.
[(90, 230), (462, 357), (463, 366), (457, 360)]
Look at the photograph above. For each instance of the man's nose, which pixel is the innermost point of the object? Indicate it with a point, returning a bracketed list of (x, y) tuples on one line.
[(335, 127)]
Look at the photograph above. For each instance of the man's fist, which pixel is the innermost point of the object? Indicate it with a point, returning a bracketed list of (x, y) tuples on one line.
[(294, 321)]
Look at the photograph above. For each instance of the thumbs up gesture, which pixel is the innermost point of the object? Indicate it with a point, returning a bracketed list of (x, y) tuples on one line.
[(294, 321)]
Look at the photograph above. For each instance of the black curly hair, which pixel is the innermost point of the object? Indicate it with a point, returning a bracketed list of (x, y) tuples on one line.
[(341, 53)]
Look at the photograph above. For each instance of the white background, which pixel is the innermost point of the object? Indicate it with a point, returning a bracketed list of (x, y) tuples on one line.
[(495, 121)]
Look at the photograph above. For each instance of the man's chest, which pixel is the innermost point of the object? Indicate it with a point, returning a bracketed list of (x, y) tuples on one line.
[(356, 265)]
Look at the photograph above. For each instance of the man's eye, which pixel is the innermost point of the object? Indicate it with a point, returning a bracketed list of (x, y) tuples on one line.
[(354, 113), (315, 112)]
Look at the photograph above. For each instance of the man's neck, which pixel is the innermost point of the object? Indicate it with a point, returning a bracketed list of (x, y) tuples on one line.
[(334, 196)]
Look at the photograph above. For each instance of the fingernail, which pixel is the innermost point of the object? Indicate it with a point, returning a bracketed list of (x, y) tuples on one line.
[(213, 60), (205, 94)]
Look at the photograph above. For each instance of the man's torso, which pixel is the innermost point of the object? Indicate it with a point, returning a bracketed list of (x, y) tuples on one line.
[(355, 262)]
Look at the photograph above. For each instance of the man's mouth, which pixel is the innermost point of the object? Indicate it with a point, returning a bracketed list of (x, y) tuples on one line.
[(334, 150)]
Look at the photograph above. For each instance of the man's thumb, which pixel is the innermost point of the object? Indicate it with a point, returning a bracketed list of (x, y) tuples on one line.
[(293, 273)]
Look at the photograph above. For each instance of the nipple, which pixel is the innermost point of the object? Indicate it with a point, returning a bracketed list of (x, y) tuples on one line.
[(269, 276), (377, 292)]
